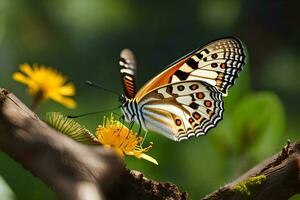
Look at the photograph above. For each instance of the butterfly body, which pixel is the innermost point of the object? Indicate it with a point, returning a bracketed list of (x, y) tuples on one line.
[(184, 100)]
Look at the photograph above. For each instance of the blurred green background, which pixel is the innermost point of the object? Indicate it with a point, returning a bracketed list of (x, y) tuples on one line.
[(83, 39)]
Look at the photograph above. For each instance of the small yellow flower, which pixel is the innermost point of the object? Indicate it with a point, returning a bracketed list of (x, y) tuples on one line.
[(46, 83), (115, 135)]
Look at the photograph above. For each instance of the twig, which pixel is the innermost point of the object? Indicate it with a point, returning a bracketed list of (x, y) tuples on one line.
[(276, 178)]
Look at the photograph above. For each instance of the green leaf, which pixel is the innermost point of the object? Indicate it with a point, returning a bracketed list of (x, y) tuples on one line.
[(70, 128), (258, 124), (253, 126)]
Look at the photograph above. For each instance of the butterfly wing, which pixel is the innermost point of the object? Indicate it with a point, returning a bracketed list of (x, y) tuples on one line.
[(217, 63), (181, 110), (128, 70)]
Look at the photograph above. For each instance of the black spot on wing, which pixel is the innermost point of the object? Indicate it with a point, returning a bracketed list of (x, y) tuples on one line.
[(192, 63), (199, 55), (206, 51), (180, 87), (193, 98), (181, 75), (194, 105), (169, 89)]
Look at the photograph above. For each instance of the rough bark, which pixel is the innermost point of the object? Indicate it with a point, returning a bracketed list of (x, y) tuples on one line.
[(279, 178)]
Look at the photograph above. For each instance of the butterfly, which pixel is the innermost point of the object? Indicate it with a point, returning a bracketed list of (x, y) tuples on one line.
[(186, 99)]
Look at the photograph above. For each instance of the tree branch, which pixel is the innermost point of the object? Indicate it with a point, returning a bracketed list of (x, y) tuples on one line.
[(72, 170), (276, 178)]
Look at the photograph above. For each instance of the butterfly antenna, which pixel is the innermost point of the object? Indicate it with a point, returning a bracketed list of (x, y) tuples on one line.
[(92, 113), (90, 83)]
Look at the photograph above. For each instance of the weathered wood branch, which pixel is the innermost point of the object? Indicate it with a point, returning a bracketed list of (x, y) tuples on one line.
[(276, 178), (73, 170), (76, 171)]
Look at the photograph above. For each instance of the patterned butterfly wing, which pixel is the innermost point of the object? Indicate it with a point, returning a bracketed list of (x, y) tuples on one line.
[(217, 63), (128, 70), (181, 110)]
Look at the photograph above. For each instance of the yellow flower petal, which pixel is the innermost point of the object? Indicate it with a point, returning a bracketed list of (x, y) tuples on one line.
[(67, 90), (149, 158), (17, 76), (26, 69), (45, 82), (68, 102)]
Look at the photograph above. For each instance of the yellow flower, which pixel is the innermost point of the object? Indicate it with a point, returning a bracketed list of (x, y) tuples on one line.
[(46, 83), (115, 135)]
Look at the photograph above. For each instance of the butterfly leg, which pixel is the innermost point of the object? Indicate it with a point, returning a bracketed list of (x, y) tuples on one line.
[(131, 125), (144, 137), (140, 129), (130, 128)]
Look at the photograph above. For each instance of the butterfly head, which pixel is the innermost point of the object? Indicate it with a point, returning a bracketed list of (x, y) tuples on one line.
[(122, 100), (124, 105)]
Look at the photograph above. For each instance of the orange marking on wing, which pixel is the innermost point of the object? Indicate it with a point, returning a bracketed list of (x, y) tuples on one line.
[(200, 95), (208, 103), (161, 79), (178, 122), (223, 65), (196, 115), (128, 86)]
